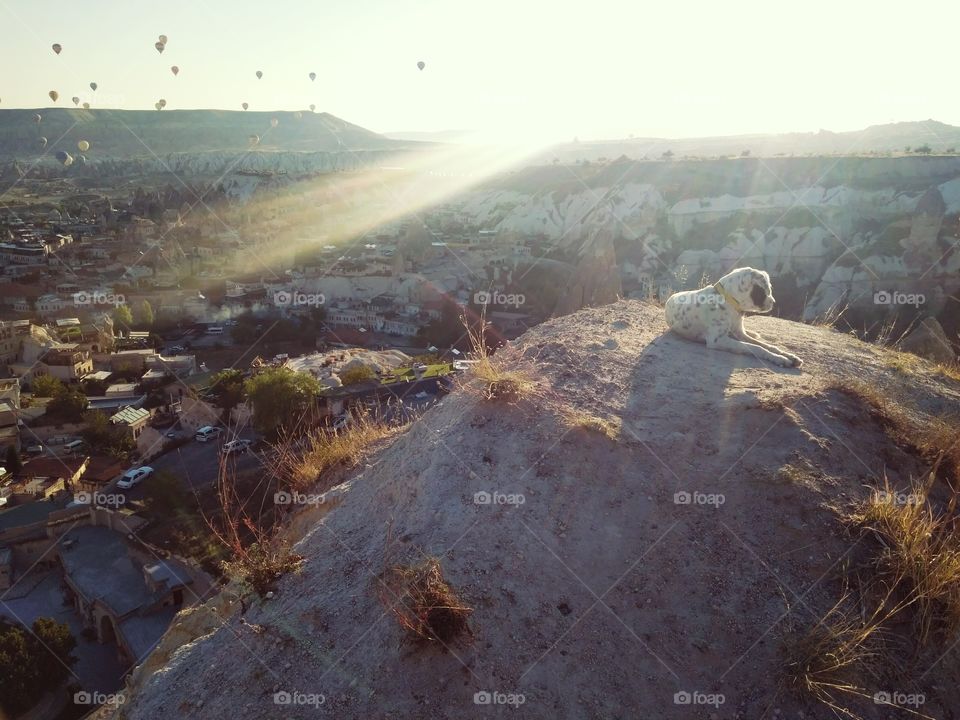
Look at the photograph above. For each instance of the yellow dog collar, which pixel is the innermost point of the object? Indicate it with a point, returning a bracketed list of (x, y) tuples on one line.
[(727, 296)]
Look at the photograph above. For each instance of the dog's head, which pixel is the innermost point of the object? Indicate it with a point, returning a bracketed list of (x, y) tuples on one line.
[(751, 288)]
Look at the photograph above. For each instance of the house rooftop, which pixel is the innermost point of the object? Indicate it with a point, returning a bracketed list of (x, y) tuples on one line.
[(129, 415), (29, 514)]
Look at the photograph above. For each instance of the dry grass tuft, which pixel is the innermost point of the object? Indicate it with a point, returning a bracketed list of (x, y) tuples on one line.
[(919, 553), (423, 602), (937, 440), (490, 373), (609, 428), (261, 565), (831, 661), (322, 450)]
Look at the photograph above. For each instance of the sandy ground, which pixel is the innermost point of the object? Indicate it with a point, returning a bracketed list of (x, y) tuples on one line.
[(637, 573)]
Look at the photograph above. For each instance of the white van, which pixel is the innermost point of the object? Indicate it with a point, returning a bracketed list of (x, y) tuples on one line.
[(206, 433), (74, 447)]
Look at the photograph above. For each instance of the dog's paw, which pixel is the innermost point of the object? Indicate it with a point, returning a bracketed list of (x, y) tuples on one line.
[(782, 361), (794, 360)]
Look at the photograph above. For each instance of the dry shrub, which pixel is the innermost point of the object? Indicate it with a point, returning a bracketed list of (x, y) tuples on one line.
[(423, 602)]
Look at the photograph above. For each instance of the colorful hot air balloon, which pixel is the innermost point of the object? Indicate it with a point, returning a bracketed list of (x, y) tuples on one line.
[(421, 64), (274, 122), (254, 140), (76, 100), (313, 76), (159, 46), (175, 70), (93, 86), (312, 108), (163, 39), (65, 158), (86, 106), (43, 142), (37, 118), (244, 105), (57, 48), (53, 95), (259, 74), (83, 146)]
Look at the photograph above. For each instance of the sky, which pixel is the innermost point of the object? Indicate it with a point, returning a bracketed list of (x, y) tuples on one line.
[(518, 69)]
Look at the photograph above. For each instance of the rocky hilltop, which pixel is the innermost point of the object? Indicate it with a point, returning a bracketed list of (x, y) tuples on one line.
[(671, 521)]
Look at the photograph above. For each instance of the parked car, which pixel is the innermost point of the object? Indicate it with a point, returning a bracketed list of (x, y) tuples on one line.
[(134, 476), (238, 446), (207, 433), (176, 350), (35, 450)]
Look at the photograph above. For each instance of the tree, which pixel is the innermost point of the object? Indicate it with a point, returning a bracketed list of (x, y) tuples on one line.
[(923, 150), (12, 463), (46, 386), (122, 317), (164, 495), (357, 374), (100, 434), (745, 153), (68, 404), (280, 398), (32, 664), (145, 316), (226, 389)]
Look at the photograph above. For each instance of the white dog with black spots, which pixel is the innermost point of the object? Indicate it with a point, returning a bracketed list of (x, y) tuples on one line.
[(714, 315)]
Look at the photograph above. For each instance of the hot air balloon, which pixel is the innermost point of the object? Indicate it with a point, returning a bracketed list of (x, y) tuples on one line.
[(76, 100), (313, 76), (159, 46), (53, 95), (421, 64), (65, 158), (43, 142), (298, 115), (37, 118), (274, 122), (86, 106), (244, 106), (175, 70), (254, 140), (163, 39), (93, 86), (312, 108), (57, 48), (158, 106), (83, 146), (82, 160), (259, 74)]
